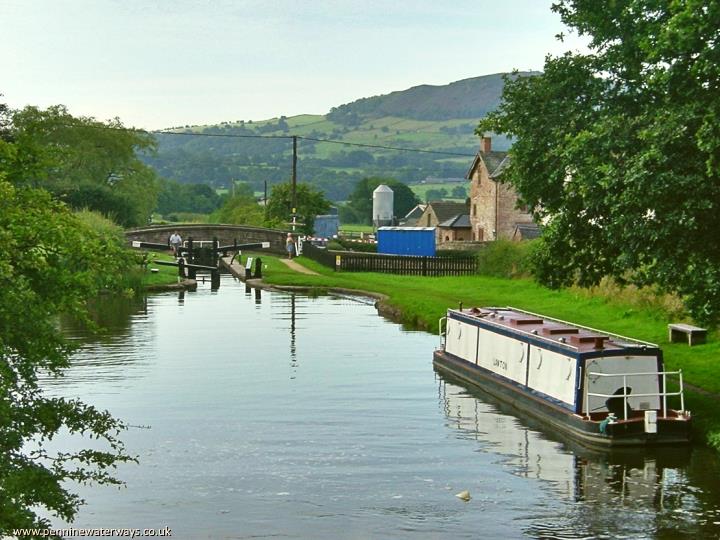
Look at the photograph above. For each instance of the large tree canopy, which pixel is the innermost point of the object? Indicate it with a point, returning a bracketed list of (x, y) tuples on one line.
[(50, 263), (310, 203), (618, 150), (86, 163)]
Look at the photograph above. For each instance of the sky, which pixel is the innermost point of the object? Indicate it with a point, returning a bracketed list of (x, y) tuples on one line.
[(164, 63)]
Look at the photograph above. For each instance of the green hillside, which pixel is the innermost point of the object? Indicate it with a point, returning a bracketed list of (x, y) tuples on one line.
[(437, 118), (469, 98)]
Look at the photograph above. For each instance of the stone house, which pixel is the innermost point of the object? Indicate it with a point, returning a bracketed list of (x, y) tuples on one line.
[(439, 212), (455, 229), (411, 218), (494, 214)]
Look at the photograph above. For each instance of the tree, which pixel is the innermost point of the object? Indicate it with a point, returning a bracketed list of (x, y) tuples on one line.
[(459, 192), (435, 194), (310, 202), (66, 154), (52, 264), (242, 209), (196, 198), (618, 150), (360, 202)]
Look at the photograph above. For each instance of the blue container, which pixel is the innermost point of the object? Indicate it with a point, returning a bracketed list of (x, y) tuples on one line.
[(326, 226), (406, 241)]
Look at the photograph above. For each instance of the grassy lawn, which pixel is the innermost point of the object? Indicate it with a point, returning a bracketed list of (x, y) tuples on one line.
[(423, 300), (350, 227), (165, 274)]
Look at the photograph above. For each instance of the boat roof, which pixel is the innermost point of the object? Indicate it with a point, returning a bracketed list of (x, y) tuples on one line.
[(555, 331)]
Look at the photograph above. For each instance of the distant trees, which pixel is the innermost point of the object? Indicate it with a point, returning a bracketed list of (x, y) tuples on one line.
[(359, 206), (195, 198), (436, 194), (618, 150), (241, 209), (82, 161), (459, 192)]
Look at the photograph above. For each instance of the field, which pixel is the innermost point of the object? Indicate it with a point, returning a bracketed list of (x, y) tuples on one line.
[(421, 189)]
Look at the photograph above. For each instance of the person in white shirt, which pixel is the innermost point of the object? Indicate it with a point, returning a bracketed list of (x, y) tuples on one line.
[(175, 242)]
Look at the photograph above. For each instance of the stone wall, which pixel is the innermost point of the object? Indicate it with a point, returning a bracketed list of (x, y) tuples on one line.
[(226, 234), (463, 246)]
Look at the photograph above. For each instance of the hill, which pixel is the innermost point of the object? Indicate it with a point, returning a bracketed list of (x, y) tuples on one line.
[(468, 98), (429, 118)]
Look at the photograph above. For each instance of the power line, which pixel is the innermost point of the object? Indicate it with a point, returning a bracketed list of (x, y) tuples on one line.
[(287, 137), (383, 147), (230, 135)]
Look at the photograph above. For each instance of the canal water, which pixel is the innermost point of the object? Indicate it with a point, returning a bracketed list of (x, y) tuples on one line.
[(261, 414)]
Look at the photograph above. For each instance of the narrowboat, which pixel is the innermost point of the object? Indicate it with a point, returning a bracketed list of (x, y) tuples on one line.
[(600, 388)]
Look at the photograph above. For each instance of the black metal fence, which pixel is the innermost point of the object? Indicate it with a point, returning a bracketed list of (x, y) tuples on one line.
[(348, 261)]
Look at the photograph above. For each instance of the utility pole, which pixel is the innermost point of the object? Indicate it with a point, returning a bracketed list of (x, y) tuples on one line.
[(294, 182)]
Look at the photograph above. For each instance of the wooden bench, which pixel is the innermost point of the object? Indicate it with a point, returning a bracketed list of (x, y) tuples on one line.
[(694, 334)]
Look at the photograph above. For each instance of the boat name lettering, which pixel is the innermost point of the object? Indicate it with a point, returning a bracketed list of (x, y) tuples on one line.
[(502, 364)]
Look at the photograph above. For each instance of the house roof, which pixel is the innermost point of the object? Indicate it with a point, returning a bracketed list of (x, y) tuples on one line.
[(461, 221), (526, 231), (445, 210), (496, 162), (416, 212)]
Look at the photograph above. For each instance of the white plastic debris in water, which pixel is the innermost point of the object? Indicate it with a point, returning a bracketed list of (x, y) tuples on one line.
[(464, 495)]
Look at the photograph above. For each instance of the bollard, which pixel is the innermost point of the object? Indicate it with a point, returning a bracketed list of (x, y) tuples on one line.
[(181, 268), (215, 280), (191, 255), (258, 268)]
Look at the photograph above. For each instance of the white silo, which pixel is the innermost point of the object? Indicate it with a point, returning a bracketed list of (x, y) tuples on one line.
[(382, 213)]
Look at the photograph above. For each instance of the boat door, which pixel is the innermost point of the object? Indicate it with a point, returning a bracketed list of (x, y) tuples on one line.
[(612, 381)]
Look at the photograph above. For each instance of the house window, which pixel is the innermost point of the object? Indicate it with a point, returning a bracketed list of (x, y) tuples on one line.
[(474, 209), (428, 220), (479, 235)]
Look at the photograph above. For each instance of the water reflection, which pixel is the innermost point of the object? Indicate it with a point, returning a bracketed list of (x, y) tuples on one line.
[(244, 443), (111, 317), (103, 346), (647, 492)]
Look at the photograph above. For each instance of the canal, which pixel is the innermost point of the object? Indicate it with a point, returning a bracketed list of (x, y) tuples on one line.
[(259, 414)]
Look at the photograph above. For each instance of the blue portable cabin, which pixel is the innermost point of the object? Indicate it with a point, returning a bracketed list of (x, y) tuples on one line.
[(326, 225), (418, 241)]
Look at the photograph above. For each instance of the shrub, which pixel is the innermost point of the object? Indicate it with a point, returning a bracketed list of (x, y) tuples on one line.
[(507, 259)]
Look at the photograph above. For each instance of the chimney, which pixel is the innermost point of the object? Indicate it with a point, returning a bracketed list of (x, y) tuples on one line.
[(485, 144)]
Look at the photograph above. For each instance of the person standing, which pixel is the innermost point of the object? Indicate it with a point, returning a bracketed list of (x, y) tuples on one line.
[(175, 242), (290, 246)]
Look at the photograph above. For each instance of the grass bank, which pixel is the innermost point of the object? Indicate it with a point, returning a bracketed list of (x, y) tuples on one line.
[(421, 301), (141, 277)]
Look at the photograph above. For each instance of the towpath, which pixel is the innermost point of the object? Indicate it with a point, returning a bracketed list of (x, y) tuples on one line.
[(290, 263)]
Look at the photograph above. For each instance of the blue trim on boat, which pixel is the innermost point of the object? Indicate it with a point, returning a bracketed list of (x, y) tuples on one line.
[(579, 366)]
